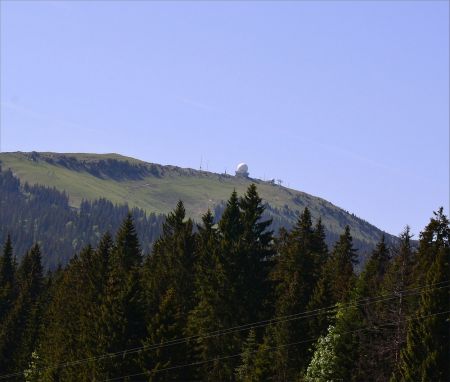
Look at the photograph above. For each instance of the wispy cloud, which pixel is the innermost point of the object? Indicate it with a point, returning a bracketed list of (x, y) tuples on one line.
[(351, 154), (196, 104), (51, 120)]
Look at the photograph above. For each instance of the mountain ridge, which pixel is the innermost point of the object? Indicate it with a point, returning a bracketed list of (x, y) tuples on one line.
[(156, 188)]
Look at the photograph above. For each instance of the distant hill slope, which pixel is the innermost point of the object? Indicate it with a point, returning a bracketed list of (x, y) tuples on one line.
[(156, 189)]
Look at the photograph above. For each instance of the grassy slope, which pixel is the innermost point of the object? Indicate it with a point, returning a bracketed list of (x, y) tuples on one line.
[(198, 190)]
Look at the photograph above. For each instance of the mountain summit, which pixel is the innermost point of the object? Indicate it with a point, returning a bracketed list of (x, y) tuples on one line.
[(156, 188)]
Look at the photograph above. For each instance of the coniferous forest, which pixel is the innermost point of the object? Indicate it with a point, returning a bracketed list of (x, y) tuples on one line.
[(229, 301), (37, 214)]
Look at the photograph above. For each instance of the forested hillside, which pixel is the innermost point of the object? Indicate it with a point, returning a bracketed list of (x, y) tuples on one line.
[(151, 190), (38, 214), (230, 302)]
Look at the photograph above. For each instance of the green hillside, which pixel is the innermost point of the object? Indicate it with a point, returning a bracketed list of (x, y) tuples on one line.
[(156, 188)]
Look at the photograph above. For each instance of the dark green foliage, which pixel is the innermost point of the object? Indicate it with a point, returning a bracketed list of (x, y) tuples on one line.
[(122, 309), (360, 324), (257, 252), (73, 323), (398, 278), (7, 279), (321, 302), (169, 285), (246, 372), (20, 328), (334, 283), (40, 214), (295, 274), (340, 267), (210, 313), (111, 313), (375, 269), (425, 356), (319, 248), (435, 236)]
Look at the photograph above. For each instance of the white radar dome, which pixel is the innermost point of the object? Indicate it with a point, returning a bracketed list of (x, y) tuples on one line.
[(242, 168)]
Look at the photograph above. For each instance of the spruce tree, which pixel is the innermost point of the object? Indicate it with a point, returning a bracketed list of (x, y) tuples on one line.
[(398, 278), (94, 271), (20, 330), (371, 279), (220, 269), (435, 235), (122, 315), (294, 275), (425, 356), (366, 318), (230, 224), (321, 302), (257, 252), (74, 327), (319, 248), (334, 285), (62, 338), (209, 314), (340, 268), (7, 279), (246, 372), (169, 286)]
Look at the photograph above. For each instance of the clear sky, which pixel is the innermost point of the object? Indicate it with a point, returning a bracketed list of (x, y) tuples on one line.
[(344, 100)]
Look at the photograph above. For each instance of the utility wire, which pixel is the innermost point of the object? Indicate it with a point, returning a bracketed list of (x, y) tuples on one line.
[(255, 351), (257, 324)]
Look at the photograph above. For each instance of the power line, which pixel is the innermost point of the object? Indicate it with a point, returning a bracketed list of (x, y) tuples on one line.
[(305, 314), (198, 363), (257, 324)]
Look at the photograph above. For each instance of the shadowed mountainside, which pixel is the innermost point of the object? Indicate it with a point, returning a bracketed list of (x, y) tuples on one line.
[(155, 189)]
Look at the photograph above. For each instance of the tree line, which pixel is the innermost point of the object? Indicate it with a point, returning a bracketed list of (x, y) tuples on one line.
[(230, 301), (44, 215), (37, 214)]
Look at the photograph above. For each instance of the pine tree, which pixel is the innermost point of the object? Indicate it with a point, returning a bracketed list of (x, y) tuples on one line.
[(220, 267), (334, 284), (321, 301), (340, 267), (257, 252), (425, 356), (60, 339), (294, 275), (398, 278), (122, 316), (169, 284), (245, 372), (366, 318), (74, 328), (435, 235), (7, 279), (319, 248), (208, 315), (265, 358), (20, 330), (94, 271), (230, 225), (371, 279)]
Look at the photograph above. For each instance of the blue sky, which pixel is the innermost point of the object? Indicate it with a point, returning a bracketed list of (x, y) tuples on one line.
[(344, 100)]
